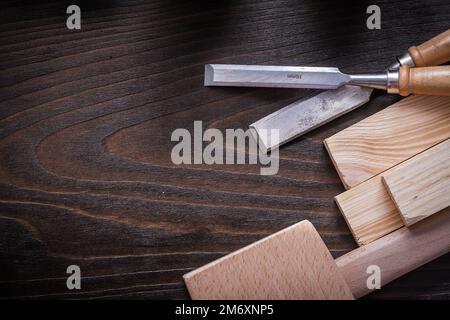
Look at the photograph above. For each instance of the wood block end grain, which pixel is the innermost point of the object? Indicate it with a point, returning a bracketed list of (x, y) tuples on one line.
[(341, 174), (369, 211), (293, 263), (402, 195), (420, 186)]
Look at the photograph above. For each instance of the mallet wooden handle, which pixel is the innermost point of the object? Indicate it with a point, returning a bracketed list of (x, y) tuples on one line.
[(434, 52), (426, 81), (397, 253)]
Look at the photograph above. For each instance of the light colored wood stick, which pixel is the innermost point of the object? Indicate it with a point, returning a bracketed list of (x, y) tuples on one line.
[(397, 253), (420, 186), (293, 263), (389, 137), (369, 211)]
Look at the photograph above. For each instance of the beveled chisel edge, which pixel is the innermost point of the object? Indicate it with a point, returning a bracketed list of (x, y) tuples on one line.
[(209, 75), (309, 113)]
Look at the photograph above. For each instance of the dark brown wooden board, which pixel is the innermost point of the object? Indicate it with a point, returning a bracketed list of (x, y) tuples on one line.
[(85, 124)]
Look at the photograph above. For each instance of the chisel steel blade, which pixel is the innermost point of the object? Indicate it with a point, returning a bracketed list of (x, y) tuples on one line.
[(274, 76), (307, 114)]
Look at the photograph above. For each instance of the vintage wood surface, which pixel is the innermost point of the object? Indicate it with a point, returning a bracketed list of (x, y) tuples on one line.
[(85, 124)]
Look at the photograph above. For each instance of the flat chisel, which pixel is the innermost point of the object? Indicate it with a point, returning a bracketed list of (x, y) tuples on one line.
[(307, 114), (405, 81)]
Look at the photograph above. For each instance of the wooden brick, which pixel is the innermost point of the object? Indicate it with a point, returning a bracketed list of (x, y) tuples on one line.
[(389, 137), (420, 186), (369, 211)]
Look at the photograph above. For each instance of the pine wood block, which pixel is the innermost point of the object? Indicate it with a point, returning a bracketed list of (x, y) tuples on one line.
[(389, 137), (369, 211), (293, 263), (420, 186)]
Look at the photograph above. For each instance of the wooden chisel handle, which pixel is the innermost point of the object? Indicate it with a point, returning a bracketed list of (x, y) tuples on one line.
[(434, 52), (434, 81), (397, 253)]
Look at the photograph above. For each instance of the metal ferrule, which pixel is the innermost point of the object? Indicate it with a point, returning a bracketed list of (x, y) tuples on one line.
[(385, 81), (403, 61), (392, 81), (377, 81)]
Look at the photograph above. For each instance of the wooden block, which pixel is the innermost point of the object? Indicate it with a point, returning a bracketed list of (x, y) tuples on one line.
[(293, 263), (369, 211), (250, 274), (420, 186), (389, 137)]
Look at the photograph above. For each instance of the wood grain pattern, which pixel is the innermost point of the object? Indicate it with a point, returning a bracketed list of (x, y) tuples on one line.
[(397, 253), (293, 264), (433, 81), (369, 211), (389, 137), (420, 186), (85, 123)]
